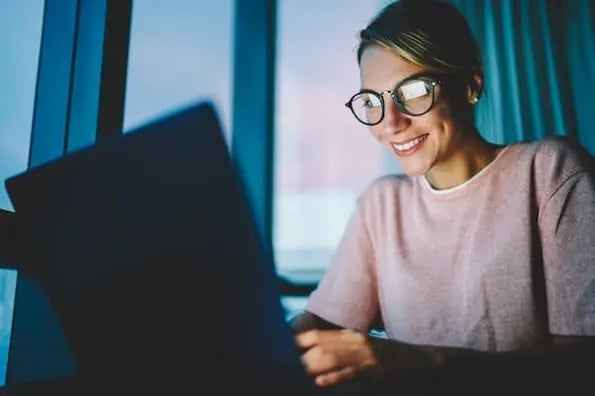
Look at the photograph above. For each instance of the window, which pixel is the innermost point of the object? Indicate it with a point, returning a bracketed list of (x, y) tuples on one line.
[(21, 23), (179, 54), (19, 46), (324, 157)]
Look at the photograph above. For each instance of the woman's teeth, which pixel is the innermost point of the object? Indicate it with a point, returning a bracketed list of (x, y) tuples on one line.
[(409, 145)]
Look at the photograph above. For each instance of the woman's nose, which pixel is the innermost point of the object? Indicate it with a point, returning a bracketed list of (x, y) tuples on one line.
[(394, 120)]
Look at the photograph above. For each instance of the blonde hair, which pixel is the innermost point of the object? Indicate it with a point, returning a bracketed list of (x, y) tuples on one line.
[(428, 33)]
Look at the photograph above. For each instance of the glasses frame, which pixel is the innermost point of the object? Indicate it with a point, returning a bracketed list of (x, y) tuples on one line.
[(434, 81)]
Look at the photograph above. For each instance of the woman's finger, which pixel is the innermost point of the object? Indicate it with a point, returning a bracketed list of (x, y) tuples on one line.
[(335, 377), (307, 339)]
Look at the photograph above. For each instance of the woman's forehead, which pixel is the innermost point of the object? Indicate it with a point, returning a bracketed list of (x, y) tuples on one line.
[(382, 68)]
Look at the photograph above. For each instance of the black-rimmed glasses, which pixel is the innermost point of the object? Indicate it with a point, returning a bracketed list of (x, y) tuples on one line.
[(413, 96)]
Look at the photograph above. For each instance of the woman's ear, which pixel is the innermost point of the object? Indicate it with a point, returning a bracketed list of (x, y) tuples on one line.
[(475, 87)]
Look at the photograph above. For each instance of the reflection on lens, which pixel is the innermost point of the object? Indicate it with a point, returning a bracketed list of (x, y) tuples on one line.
[(415, 96)]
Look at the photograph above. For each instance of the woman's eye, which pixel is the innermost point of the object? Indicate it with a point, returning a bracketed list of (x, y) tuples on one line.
[(371, 102)]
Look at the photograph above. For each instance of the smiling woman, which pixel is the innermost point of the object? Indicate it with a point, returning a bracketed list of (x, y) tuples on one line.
[(480, 260), (420, 104)]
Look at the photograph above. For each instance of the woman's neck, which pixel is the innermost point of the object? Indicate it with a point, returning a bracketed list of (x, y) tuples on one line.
[(471, 155)]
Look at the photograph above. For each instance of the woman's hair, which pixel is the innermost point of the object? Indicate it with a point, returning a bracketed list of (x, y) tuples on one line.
[(428, 33)]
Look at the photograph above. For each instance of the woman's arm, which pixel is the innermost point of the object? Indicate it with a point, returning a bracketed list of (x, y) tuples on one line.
[(565, 363), (308, 321), (305, 321)]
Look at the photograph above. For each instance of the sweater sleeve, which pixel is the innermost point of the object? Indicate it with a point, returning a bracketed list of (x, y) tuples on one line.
[(567, 225)]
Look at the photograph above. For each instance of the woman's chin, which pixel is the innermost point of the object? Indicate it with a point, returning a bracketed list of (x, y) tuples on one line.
[(412, 170)]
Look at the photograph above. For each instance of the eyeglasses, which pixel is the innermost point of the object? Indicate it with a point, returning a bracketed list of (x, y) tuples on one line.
[(413, 96)]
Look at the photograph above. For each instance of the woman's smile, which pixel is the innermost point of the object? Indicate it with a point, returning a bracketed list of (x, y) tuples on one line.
[(408, 147)]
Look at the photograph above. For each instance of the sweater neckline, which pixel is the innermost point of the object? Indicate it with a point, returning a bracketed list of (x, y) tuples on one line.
[(469, 184)]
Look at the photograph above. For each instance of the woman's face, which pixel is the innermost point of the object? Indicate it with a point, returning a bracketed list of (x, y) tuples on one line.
[(419, 142)]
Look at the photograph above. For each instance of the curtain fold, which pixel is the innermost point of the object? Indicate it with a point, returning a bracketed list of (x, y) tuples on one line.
[(539, 65)]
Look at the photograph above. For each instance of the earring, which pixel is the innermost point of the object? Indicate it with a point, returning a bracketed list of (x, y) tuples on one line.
[(474, 100)]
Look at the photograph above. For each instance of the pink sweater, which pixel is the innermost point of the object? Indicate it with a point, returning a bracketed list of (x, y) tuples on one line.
[(493, 264)]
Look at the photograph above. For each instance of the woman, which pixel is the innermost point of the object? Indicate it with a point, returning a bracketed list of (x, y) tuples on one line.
[(480, 261)]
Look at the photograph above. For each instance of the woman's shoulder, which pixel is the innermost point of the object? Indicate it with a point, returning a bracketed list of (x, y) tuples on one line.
[(556, 148), (555, 159)]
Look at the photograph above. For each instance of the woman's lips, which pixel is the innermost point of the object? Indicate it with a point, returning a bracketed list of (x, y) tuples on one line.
[(409, 147)]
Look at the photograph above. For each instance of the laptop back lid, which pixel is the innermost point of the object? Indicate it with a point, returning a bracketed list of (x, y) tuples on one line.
[(148, 251)]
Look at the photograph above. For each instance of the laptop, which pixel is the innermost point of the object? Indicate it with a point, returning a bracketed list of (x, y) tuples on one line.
[(149, 253)]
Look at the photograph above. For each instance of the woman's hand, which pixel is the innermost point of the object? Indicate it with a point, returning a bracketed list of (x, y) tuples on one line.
[(333, 356)]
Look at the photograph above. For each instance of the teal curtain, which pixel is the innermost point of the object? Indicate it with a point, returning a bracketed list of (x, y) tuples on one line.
[(539, 65)]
